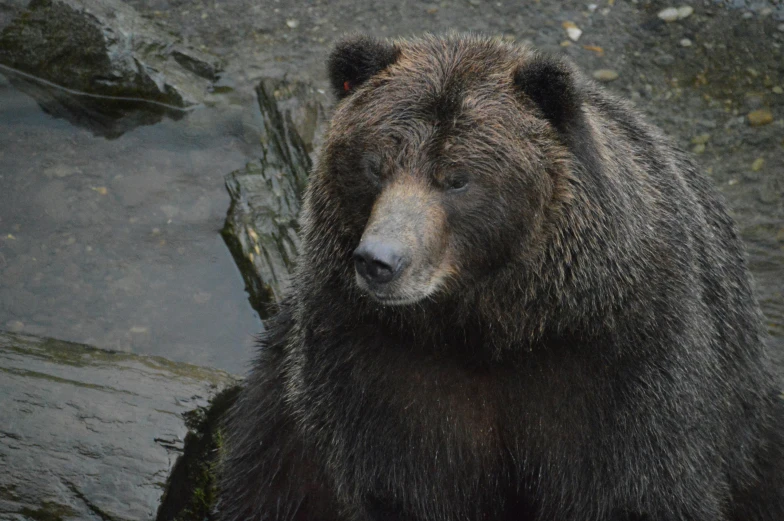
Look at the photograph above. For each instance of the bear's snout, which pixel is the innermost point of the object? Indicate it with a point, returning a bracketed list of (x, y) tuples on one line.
[(379, 261)]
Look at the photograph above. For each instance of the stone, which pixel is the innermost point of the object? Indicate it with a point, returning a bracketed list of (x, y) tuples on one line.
[(671, 14), (15, 326), (261, 224), (700, 139), (605, 75), (100, 65), (664, 59), (760, 117), (572, 31), (102, 47), (91, 434), (668, 15), (685, 12)]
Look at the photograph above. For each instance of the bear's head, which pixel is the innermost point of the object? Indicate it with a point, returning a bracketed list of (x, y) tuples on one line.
[(443, 167)]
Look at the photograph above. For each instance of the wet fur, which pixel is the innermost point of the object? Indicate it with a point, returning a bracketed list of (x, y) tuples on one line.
[(595, 353)]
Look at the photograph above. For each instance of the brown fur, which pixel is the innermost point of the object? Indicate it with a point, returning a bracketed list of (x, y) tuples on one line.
[(580, 340)]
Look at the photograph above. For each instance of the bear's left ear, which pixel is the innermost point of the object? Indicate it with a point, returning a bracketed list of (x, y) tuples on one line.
[(550, 84), (355, 60)]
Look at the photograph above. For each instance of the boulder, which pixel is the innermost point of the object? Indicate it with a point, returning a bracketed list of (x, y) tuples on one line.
[(261, 225), (89, 434)]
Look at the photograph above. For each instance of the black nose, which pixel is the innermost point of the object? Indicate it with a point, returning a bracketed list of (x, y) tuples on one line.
[(379, 261)]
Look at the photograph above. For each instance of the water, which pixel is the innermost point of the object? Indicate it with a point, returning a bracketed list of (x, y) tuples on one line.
[(110, 236)]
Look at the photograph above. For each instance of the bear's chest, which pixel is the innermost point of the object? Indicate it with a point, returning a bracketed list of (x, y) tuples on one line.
[(410, 404)]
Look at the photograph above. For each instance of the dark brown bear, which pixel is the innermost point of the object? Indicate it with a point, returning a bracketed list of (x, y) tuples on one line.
[(515, 300)]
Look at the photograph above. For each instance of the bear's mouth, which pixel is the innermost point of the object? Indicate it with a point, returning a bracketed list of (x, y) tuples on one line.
[(408, 289), (386, 295), (396, 301)]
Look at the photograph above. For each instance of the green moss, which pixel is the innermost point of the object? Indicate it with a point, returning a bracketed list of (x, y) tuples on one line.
[(79, 355), (49, 511), (191, 492)]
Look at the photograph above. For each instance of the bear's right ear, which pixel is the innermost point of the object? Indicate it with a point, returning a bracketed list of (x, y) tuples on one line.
[(355, 60)]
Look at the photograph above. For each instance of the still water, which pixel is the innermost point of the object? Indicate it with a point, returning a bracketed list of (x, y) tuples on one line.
[(110, 235)]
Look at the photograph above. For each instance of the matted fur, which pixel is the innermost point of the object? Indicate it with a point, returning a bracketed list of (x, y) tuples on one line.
[(590, 350)]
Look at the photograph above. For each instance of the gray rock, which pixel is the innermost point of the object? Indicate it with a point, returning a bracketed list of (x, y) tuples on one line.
[(261, 225), (103, 47), (664, 60), (605, 75), (90, 434)]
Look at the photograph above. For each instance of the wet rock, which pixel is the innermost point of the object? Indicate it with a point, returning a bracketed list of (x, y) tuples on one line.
[(98, 60), (15, 326), (90, 434), (192, 489), (261, 225), (605, 75), (761, 117), (197, 64)]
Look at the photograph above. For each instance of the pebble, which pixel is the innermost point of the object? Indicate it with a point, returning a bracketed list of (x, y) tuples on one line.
[(572, 30), (14, 326), (760, 117), (777, 90), (60, 171), (664, 59), (292, 24), (747, 15), (605, 75), (672, 14), (685, 12), (757, 165), (685, 42), (699, 148), (668, 15), (753, 101), (700, 139)]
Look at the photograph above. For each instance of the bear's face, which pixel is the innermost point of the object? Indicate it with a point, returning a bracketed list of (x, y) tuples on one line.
[(437, 168)]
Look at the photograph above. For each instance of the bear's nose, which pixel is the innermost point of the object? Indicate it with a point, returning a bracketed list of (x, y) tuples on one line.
[(379, 261)]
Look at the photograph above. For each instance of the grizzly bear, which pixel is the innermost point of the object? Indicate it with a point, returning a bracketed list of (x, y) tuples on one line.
[(515, 300)]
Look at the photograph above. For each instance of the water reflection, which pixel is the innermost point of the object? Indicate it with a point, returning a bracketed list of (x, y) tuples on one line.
[(115, 242)]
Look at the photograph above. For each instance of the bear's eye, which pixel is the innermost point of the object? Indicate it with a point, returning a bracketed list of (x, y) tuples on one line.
[(456, 183)]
